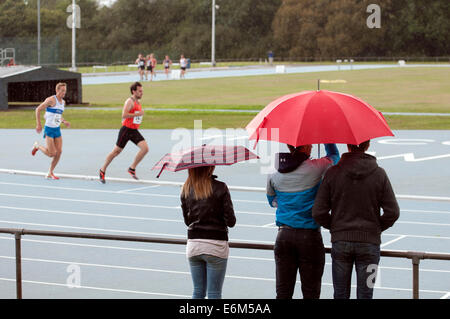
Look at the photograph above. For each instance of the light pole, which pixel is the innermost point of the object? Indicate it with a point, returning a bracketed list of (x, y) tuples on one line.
[(39, 31), (74, 33), (213, 34)]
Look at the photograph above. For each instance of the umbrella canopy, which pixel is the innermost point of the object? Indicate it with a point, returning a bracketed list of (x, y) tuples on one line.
[(314, 117), (205, 155)]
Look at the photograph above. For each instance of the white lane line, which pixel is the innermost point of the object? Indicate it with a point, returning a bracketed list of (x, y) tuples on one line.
[(87, 201), (426, 198), (164, 234), (90, 190), (446, 296), (127, 180), (419, 236), (421, 223), (183, 253), (178, 184), (163, 207), (115, 203), (185, 296), (425, 211), (61, 212), (121, 231), (406, 235), (188, 273), (137, 189), (270, 225), (99, 288), (392, 241), (177, 196), (94, 229)]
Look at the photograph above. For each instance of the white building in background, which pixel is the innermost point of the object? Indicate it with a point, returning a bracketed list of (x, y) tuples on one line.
[(106, 2)]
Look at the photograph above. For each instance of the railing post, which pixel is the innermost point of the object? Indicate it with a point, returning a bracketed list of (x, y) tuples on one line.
[(415, 258), (18, 236)]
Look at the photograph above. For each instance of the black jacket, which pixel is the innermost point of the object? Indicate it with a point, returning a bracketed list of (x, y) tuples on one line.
[(209, 218), (354, 190)]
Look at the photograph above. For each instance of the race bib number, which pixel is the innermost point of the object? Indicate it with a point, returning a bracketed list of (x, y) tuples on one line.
[(137, 119), (57, 119)]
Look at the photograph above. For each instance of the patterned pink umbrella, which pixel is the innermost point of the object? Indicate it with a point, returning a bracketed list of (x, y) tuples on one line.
[(205, 155)]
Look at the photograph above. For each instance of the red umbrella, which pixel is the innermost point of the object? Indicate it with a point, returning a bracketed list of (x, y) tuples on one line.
[(314, 117), (205, 155)]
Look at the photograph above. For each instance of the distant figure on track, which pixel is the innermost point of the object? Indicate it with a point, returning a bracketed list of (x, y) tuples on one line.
[(167, 63), (140, 61), (183, 65), (149, 66), (153, 63), (54, 106), (132, 117)]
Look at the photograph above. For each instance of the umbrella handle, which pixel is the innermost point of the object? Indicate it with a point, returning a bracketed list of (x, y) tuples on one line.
[(164, 165)]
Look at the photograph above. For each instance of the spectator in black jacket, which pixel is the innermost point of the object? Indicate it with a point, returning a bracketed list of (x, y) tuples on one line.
[(208, 212), (355, 190)]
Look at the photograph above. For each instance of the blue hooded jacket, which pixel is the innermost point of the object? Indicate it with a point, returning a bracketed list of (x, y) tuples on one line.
[(293, 188)]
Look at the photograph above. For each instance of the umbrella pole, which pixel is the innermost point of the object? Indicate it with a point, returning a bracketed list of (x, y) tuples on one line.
[(318, 145), (164, 166)]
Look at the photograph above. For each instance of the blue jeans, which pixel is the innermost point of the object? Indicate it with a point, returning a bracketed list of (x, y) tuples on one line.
[(208, 274), (365, 257)]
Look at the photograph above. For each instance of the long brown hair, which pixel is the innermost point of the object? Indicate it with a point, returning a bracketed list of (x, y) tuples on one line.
[(199, 180)]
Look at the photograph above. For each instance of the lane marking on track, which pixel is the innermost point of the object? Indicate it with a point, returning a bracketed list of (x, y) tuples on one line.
[(99, 288), (179, 184), (392, 241)]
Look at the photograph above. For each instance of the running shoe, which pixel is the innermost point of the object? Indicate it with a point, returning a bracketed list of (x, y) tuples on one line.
[(52, 176), (101, 174), (35, 148), (132, 173)]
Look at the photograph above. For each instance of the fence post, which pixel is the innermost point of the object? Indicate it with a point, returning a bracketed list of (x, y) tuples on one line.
[(18, 236), (415, 258)]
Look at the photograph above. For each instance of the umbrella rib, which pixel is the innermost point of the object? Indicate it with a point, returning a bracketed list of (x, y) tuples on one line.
[(345, 116), (301, 120)]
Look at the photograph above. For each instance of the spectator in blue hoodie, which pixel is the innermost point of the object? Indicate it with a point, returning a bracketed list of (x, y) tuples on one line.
[(299, 246)]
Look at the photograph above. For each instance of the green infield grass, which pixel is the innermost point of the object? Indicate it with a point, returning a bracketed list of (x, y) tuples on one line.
[(421, 89)]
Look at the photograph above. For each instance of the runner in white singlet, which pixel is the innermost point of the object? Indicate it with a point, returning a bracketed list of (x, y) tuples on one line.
[(54, 108)]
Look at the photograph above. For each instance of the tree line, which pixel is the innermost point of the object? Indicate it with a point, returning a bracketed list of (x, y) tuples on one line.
[(245, 29)]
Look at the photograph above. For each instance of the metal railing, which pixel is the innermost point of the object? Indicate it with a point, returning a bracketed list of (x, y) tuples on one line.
[(415, 256)]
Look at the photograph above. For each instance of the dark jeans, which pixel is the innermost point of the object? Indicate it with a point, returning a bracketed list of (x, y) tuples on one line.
[(299, 250), (365, 257)]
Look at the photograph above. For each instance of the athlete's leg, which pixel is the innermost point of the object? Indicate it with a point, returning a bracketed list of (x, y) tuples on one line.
[(116, 151), (58, 150), (50, 148), (143, 149)]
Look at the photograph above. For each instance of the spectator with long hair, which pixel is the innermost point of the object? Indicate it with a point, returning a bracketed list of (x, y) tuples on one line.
[(208, 212)]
